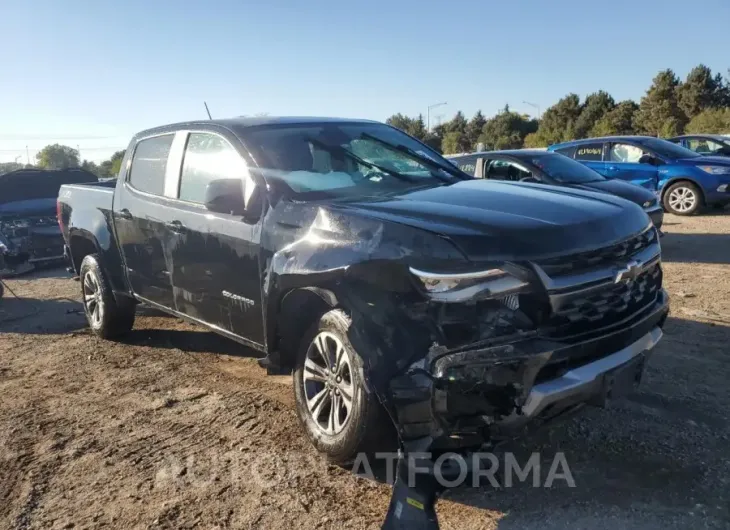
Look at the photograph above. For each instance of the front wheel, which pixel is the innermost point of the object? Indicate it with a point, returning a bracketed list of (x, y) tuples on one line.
[(683, 198), (107, 318), (340, 417)]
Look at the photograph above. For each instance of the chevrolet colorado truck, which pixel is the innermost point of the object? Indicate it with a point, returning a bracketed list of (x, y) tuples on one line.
[(398, 290)]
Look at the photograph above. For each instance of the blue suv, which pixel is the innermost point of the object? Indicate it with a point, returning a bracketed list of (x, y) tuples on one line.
[(684, 180)]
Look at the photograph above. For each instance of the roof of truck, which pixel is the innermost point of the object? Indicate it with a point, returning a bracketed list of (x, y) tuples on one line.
[(246, 122)]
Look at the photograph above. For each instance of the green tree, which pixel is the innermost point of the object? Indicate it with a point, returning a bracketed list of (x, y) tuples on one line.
[(417, 128), (700, 91), (400, 121), (659, 110), (454, 142), (92, 167), (474, 128), (57, 156), (616, 121), (457, 124), (710, 121), (534, 140), (594, 108), (558, 122), (507, 130)]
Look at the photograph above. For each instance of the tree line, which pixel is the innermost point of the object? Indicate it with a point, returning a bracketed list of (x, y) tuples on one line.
[(59, 156), (699, 104)]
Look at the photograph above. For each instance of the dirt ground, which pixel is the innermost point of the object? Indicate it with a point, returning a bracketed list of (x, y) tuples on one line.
[(178, 428)]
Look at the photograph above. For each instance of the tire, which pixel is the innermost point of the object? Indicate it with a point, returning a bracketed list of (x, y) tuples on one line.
[(107, 318), (366, 427), (683, 198)]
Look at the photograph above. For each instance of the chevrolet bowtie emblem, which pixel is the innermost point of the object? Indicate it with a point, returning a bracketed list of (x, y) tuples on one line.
[(628, 273)]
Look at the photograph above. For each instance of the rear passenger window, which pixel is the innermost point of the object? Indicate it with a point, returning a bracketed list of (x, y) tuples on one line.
[(567, 151), (208, 157), (589, 152), (149, 164)]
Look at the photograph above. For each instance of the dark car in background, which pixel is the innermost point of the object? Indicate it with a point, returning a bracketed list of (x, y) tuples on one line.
[(705, 144), (29, 231), (684, 180), (538, 166)]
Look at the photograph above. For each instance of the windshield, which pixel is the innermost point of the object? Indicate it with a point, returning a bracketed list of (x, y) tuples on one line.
[(667, 149), (564, 169), (346, 159)]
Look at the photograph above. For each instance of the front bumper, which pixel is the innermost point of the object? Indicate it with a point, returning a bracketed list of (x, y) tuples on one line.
[(465, 397)]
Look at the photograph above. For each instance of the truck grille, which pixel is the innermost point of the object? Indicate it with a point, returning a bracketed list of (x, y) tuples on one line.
[(562, 265), (606, 306)]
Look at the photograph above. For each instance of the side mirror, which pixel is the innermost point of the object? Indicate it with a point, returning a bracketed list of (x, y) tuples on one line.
[(648, 159), (225, 196)]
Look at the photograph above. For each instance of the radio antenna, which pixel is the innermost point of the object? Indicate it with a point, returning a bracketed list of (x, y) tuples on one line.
[(206, 110)]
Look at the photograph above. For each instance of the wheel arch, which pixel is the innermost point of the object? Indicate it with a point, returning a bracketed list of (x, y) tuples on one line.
[(683, 178), (298, 310)]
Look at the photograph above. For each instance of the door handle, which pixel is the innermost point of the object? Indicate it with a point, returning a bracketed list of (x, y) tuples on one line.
[(125, 214), (175, 226), (612, 168)]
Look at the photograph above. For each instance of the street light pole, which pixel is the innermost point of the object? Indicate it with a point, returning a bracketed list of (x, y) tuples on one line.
[(428, 114), (535, 105)]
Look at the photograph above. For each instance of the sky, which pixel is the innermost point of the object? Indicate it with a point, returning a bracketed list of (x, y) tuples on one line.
[(90, 74)]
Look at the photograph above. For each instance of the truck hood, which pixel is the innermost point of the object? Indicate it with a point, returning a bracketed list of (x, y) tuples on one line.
[(490, 220), (625, 190)]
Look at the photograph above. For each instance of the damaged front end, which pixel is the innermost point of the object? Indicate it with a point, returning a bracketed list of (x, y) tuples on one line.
[(527, 343), (28, 241)]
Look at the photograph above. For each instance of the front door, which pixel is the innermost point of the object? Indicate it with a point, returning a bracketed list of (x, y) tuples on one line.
[(140, 212), (623, 163), (215, 257)]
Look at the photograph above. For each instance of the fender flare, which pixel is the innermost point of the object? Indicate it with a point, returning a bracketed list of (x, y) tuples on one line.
[(674, 180)]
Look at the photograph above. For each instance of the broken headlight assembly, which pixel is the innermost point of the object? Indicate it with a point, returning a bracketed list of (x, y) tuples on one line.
[(470, 286)]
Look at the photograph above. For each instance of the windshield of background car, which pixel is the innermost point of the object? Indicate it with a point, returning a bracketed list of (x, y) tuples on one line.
[(667, 149), (321, 159), (564, 169)]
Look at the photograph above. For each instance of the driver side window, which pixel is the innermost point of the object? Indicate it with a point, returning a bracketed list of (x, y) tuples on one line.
[(626, 153)]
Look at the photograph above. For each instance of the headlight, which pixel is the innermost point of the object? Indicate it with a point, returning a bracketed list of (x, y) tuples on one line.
[(716, 170), (649, 204), (723, 188), (454, 288)]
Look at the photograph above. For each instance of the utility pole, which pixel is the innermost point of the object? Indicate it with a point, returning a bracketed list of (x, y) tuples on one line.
[(27, 154), (534, 105), (428, 114)]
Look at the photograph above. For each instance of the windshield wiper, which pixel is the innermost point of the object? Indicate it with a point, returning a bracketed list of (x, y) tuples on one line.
[(413, 155), (332, 149)]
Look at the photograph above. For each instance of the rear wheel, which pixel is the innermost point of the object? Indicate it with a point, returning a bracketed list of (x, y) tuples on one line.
[(683, 198), (339, 416), (107, 318)]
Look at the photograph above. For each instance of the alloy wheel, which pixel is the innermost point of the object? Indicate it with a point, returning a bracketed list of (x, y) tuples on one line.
[(328, 383), (682, 199), (92, 299)]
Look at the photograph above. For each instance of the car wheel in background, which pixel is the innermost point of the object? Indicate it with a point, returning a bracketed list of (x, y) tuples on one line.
[(683, 198)]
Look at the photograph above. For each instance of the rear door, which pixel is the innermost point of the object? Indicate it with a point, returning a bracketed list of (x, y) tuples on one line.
[(623, 163), (592, 155), (141, 218), (215, 256)]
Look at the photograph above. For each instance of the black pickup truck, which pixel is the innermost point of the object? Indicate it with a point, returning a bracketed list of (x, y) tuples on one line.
[(396, 288)]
